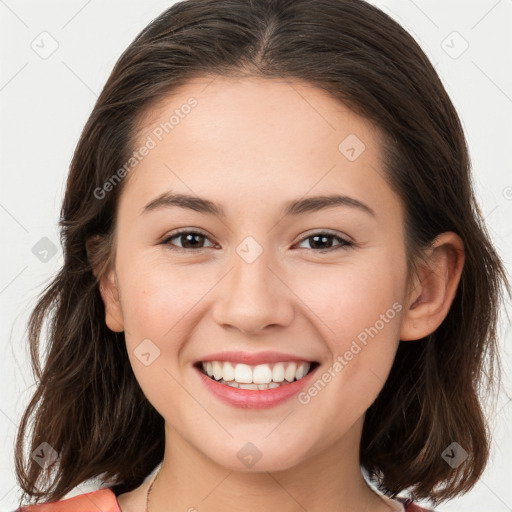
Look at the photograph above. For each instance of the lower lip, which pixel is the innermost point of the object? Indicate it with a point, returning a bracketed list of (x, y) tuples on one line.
[(253, 398)]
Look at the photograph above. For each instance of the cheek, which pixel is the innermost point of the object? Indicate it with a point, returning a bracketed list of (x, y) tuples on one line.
[(161, 302), (358, 311), (158, 310), (155, 298), (351, 298), (157, 305)]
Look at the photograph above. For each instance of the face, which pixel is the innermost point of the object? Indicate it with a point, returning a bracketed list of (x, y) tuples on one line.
[(321, 284)]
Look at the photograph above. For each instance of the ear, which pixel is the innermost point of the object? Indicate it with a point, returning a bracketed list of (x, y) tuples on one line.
[(433, 290), (110, 294), (98, 254)]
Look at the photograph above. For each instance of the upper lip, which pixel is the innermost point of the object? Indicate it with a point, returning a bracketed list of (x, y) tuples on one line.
[(253, 358)]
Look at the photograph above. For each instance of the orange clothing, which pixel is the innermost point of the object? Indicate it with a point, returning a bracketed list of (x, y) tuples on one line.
[(102, 499)]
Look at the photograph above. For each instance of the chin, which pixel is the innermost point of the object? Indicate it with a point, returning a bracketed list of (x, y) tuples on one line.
[(255, 457)]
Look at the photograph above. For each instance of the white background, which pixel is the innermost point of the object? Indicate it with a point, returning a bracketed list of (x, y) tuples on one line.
[(45, 102)]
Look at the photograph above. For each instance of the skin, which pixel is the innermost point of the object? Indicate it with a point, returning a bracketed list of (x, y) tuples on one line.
[(251, 145)]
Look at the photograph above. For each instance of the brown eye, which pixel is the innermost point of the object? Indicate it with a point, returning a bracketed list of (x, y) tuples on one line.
[(190, 240), (194, 241), (322, 242)]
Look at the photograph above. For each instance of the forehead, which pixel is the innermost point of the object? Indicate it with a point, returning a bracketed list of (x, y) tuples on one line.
[(259, 106), (260, 139)]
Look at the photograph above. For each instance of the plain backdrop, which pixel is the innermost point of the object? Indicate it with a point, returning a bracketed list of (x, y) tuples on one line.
[(47, 91)]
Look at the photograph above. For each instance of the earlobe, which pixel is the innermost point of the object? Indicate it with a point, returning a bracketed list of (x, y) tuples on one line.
[(434, 289), (110, 294)]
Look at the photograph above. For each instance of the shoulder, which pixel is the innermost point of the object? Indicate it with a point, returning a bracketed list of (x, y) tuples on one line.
[(102, 499)]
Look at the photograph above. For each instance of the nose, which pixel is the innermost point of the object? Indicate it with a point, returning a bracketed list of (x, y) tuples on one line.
[(254, 296)]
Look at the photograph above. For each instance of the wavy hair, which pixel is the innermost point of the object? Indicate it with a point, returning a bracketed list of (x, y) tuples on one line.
[(88, 405)]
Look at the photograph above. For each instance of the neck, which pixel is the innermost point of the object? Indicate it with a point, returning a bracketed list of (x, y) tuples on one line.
[(332, 480)]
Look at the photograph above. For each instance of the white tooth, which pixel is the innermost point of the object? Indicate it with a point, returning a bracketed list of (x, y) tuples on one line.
[(289, 374), (278, 372), (302, 369), (233, 384), (262, 374), (217, 370), (228, 371), (243, 373), (248, 386), (271, 385)]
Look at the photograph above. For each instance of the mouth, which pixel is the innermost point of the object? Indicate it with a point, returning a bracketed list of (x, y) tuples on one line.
[(256, 377)]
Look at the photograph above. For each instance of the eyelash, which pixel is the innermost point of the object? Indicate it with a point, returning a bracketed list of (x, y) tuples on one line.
[(345, 244)]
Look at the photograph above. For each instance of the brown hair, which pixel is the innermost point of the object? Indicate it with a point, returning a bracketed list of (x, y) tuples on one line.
[(88, 404)]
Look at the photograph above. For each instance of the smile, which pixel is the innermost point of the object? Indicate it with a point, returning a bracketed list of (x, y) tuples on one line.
[(256, 377)]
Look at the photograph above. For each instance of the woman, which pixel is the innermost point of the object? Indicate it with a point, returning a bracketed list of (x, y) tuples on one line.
[(207, 350)]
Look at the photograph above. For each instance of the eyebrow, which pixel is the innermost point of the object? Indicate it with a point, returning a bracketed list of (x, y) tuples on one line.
[(291, 208)]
